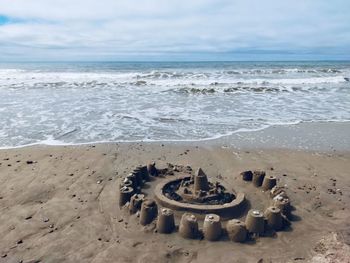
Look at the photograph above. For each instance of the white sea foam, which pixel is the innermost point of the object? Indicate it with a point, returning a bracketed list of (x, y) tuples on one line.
[(51, 106), (30, 78)]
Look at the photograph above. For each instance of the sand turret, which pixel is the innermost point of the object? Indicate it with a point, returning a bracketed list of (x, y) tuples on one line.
[(258, 177), (136, 202), (165, 221), (125, 194), (188, 226), (274, 218), (236, 230), (200, 181), (269, 182), (212, 227), (148, 212), (255, 222)]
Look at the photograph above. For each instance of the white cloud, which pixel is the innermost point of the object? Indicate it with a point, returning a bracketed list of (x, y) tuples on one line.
[(62, 29)]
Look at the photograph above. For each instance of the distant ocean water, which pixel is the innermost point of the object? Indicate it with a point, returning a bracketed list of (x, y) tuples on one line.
[(74, 103)]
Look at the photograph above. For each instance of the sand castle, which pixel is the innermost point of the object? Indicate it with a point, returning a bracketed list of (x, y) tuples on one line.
[(205, 209), (194, 193)]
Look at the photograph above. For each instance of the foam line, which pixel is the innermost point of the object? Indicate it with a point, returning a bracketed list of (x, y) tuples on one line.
[(53, 142)]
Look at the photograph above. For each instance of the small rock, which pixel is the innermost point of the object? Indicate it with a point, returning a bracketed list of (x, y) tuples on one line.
[(29, 162), (19, 242)]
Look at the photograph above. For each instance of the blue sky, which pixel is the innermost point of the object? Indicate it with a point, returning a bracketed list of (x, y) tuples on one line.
[(3, 20), (174, 30)]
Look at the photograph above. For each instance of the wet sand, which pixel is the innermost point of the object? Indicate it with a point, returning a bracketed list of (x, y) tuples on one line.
[(305, 136)]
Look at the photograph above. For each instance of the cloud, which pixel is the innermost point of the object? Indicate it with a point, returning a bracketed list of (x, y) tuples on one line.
[(106, 29)]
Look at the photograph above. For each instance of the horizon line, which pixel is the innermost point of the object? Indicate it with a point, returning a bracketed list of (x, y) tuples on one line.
[(169, 61)]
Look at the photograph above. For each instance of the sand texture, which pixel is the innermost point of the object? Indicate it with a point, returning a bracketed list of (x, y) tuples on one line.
[(60, 204)]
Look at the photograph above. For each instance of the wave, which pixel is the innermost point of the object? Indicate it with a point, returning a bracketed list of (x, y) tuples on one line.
[(52, 141), (313, 80), (196, 90), (163, 75), (210, 85), (218, 74), (205, 91), (292, 70), (230, 88), (30, 76), (255, 81)]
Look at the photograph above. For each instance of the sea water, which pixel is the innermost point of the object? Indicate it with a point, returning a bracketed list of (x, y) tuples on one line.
[(72, 103)]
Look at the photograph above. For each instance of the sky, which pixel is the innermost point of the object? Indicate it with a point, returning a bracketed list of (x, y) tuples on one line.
[(188, 30)]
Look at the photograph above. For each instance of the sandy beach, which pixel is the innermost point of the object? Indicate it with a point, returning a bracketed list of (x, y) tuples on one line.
[(60, 204), (174, 131)]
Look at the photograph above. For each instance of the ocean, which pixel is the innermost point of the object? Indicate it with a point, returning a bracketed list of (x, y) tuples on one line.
[(74, 103)]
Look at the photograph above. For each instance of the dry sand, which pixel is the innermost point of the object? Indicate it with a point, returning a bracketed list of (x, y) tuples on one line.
[(59, 204)]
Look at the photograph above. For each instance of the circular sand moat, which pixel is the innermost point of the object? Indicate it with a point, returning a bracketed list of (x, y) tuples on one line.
[(196, 194), (159, 196)]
